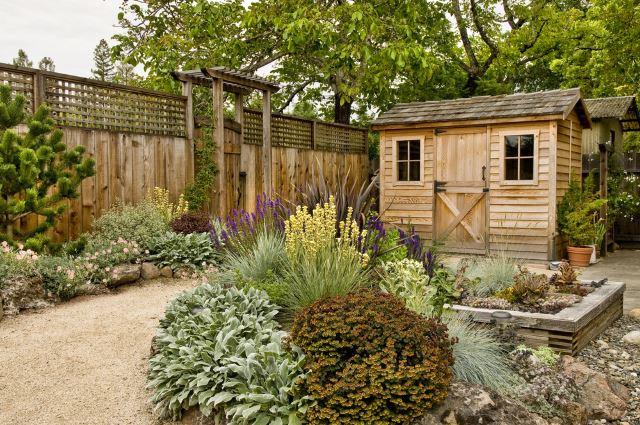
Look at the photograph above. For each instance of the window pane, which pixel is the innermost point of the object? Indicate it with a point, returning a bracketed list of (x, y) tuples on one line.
[(526, 145), (403, 153), (511, 146), (511, 169), (414, 171), (414, 150), (402, 171), (526, 169)]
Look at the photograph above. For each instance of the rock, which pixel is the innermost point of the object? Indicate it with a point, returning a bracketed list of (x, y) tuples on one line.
[(183, 273), (166, 272), (632, 337), (635, 313), (469, 404), (603, 397), (149, 271), (91, 289), (23, 293), (602, 344), (124, 273)]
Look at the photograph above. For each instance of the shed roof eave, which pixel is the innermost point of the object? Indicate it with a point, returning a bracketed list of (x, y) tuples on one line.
[(467, 122)]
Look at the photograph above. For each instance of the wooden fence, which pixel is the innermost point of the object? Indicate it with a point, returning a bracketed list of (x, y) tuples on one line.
[(138, 139)]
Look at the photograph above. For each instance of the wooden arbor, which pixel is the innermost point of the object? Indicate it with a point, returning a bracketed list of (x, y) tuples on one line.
[(221, 80)]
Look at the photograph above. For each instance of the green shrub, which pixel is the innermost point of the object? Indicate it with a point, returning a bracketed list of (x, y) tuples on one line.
[(492, 274), (371, 360), (391, 247), (101, 255), (221, 349), (16, 263), (479, 357), (139, 223), (60, 275), (192, 222), (328, 273), (176, 250), (406, 279)]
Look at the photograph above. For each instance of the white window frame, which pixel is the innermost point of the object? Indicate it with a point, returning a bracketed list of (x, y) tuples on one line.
[(394, 160), (536, 166)]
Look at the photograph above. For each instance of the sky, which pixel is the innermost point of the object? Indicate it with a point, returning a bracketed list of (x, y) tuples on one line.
[(65, 30)]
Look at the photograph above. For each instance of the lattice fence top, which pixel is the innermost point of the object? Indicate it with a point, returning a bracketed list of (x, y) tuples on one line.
[(294, 132), (92, 104), (21, 82)]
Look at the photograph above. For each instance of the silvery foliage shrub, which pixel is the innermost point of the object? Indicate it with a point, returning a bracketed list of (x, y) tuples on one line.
[(407, 280), (480, 358), (178, 250), (492, 274), (222, 350)]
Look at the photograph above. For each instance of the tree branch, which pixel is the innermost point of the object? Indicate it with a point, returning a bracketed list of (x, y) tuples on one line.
[(511, 19), (464, 34), (293, 94), (263, 62), (481, 29)]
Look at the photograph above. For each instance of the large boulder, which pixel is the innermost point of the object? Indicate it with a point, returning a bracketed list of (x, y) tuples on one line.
[(23, 293), (124, 273), (150, 271), (469, 404), (603, 397)]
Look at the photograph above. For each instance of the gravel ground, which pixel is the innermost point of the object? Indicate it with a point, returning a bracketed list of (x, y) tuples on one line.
[(84, 361), (610, 355)]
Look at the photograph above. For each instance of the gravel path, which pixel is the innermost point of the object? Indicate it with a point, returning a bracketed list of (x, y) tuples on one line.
[(610, 355), (84, 361)]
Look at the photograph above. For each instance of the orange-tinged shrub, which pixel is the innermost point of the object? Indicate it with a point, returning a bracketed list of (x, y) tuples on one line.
[(371, 360)]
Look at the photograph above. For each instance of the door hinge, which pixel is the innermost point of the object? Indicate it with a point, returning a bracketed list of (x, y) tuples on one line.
[(485, 189), (439, 186)]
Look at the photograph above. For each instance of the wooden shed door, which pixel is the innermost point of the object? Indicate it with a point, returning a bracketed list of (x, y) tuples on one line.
[(461, 189)]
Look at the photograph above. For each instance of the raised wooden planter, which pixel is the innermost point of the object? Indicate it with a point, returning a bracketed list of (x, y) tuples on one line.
[(569, 330)]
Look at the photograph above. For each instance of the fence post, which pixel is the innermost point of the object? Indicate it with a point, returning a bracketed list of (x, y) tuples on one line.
[(38, 90), (187, 90), (266, 142)]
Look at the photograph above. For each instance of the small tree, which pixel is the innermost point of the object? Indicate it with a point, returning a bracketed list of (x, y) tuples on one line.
[(104, 68), (37, 171), (22, 59), (46, 64)]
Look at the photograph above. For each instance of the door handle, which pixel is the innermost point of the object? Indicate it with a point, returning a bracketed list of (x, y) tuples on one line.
[(484, 170)]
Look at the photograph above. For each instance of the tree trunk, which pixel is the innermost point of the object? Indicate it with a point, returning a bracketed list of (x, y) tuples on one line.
[(471, 86), (341, 112)]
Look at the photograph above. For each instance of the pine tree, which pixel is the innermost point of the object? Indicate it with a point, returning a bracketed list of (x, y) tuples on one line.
[(22, 59), (104, 68), (46, 64), (37, 171), (125, 74)]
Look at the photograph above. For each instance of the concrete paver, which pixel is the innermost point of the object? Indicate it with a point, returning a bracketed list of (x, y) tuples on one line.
[(620, 266)]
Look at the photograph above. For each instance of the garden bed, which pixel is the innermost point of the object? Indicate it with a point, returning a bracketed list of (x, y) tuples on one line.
[(569, 330)]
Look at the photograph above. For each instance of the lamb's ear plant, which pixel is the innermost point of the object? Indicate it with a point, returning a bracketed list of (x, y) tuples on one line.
[(177, 250), (221, 350)]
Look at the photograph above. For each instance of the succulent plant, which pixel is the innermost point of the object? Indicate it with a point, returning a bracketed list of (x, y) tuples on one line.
[(527, 289)]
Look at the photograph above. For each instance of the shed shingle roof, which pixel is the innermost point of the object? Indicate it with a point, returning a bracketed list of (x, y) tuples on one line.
[(554, 102), (623, 108)]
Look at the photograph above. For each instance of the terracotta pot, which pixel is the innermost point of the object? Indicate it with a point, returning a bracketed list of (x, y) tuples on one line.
[(580, 256)]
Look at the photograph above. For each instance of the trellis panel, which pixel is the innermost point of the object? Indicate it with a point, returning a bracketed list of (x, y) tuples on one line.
[(21, 82), (300, 133)]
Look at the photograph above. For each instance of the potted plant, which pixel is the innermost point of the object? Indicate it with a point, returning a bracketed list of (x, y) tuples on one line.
[(580, 222)]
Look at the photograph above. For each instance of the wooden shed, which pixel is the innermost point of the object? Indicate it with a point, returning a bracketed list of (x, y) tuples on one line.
[(482, 174), (611, 117)]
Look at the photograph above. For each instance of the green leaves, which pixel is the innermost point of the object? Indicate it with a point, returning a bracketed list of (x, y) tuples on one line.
[(177, 250), (221, 349), (36, 170)]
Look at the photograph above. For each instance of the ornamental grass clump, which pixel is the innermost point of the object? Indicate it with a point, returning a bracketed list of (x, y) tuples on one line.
[(492, 274), (371, 360), (221, 350)]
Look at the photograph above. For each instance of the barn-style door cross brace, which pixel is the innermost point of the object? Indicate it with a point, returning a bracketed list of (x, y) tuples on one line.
[(460, 216)]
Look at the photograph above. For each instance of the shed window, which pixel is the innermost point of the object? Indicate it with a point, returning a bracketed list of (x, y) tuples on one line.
[(519, 157), (408, 160)]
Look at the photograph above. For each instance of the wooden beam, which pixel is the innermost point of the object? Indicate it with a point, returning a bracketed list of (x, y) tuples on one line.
[(242, 81), (604, 193), (218, 136), (266, 142), (187, 90)]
